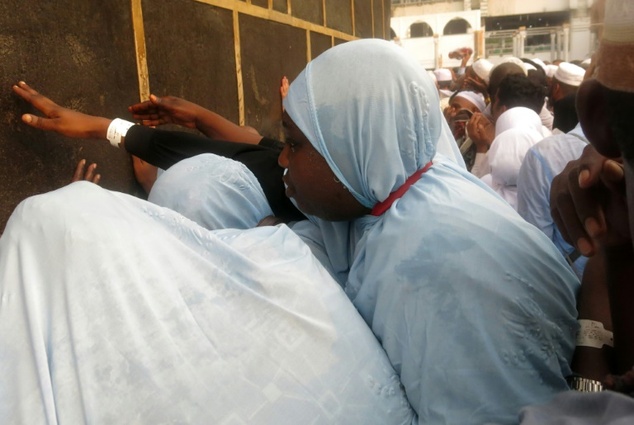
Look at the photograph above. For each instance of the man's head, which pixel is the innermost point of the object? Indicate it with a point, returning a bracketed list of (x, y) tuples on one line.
[(499, 72), (605, 104), (566, 81), (444, 77), (469, 100), (517, 90)]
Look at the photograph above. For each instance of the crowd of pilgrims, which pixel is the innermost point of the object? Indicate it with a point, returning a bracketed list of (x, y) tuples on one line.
[(394, 260), (516, 126)]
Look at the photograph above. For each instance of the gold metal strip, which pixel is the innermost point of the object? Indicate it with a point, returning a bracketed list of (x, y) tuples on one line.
[(372, 16), (309, 49), (275, 16), (323, 8), (238, 57), (354, 29), (141, 52), (383, 15)]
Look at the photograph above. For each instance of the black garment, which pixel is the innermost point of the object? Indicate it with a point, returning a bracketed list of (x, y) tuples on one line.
[(165, 148), (565, 113)]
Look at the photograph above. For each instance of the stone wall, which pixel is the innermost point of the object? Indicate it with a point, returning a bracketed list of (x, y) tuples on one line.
[(99, 57)]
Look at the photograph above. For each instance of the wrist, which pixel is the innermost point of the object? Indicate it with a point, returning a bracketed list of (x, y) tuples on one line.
[(117, 130), (581, 384), (99, 128)]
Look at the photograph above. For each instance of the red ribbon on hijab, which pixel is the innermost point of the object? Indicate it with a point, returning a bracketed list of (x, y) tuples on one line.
[(381, 207)]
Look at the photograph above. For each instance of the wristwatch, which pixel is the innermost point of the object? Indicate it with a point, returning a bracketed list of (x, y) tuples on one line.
[(579, 383)]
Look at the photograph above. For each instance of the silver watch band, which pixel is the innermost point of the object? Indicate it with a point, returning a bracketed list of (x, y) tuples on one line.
[(578, 383)]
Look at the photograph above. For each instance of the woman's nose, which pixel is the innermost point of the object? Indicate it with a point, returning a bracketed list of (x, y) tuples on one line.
[(282, 160)]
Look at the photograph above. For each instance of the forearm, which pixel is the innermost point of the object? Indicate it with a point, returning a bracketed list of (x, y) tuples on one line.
[(218, 127), (164, 148), (594, 361), (620, 275)]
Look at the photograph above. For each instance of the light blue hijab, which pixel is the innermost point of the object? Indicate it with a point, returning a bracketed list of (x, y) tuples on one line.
[(211, 190), (474, 307), (373, 115)]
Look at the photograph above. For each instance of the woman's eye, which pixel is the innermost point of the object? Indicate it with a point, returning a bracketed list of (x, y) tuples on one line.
[(291, 144)]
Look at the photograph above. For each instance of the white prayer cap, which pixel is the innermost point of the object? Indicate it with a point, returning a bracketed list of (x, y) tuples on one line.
[(482, 68), (550, 70), (586, 62), (529, 67), (445, 93), (443, 74), (474, 97), (539, 62), (569, 73), (615, 68), (516, 61)]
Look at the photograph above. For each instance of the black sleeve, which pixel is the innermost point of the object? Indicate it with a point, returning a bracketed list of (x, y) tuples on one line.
[(165, 148)]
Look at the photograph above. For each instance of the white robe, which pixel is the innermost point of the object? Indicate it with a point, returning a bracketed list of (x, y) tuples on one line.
[(116, 311), (516, 131)]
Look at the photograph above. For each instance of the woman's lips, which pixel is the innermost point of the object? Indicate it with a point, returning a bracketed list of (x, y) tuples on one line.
[(289, 189)]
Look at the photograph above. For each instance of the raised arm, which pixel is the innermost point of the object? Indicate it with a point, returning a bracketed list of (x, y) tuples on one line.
[(59, 119), (174, 110)]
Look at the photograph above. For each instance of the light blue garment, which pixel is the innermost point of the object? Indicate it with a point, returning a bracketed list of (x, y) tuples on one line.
[(213, 191), (541, 164), (577, 408), (474, 307), (114, 310)]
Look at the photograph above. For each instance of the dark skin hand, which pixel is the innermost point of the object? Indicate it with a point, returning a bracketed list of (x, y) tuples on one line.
[(165, 110), (174, 110), (59, 119), (87, 174), (481, 131), (474, 84), (585, 197)]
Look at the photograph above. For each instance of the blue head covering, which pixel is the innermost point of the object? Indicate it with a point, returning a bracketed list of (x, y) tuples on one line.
[(375, 118), (213, 191)]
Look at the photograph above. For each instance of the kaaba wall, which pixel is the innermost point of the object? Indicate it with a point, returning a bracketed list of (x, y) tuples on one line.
[(100, 57)]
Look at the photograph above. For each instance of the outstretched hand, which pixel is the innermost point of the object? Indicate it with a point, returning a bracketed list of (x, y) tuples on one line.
[(165, 110), (587, 202), (59, 119), (89, 173)]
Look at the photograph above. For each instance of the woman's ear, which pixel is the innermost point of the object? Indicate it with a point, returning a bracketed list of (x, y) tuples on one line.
[(593, 113)]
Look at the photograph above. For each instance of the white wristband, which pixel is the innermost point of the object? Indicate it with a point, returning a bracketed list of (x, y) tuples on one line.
[(117, 130), (593, 334)]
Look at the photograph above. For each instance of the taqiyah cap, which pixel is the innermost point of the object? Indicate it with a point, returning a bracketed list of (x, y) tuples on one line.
[(550, 70), (516, 61), (569, 73), (476, 98), (616, 52), (539, 62), (443, 74), (482, 68)]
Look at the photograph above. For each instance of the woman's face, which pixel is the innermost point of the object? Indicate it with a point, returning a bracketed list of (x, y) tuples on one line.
[(310, 181)]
